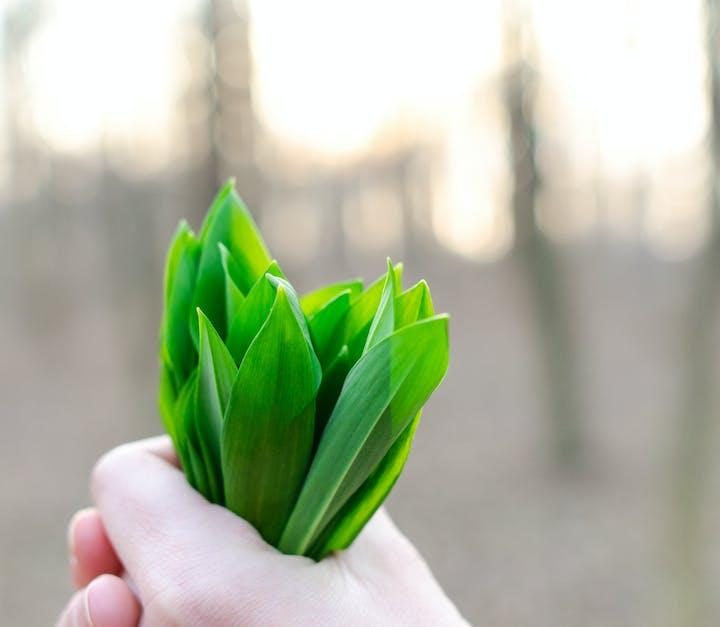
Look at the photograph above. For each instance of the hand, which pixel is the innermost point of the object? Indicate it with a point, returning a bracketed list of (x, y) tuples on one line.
[(156, 552)]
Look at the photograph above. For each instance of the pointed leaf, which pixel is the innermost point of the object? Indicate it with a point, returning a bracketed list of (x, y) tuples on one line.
[(252, 313), (184, 413), (413, 304), (329, 392), (349, 521), (180, 274), (230, 223), (381, 395), (234, 297), (362, 311), (269, 424), (166, 401), (216, 375), (198, 444), (325, 326), (313, 301), (383, 322)]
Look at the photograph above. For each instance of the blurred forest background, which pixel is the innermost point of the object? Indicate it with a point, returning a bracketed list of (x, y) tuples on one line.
[(550, 167)]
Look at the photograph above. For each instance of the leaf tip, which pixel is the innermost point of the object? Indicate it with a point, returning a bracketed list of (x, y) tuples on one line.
[(202, 318)]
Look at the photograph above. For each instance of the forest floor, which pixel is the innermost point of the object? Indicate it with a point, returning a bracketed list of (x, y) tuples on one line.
[(514, 540)]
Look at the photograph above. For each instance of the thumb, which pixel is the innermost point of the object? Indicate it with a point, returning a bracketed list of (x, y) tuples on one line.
[(156, 521), (106, 602)]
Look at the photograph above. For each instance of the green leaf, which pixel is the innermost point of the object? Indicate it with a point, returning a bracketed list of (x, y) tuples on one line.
[(281, 282), (166, 401), (352, 517), (383, 322), (192, 448), (216, 375), (382, 393), (234, 298), (252, 313), (184, 418), (325, 325), (413, 304), (230, 223), (313, 301), (362, 311), (268, 430), (181, 266), (332, 382)]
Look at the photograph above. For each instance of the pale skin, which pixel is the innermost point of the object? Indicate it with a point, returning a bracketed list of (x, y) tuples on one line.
[(154, 552)]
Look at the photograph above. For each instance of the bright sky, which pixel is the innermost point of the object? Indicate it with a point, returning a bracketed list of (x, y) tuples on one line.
[(332, 74), (627, 79)]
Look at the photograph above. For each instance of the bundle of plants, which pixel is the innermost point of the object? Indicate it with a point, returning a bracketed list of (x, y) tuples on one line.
[(296, 412)]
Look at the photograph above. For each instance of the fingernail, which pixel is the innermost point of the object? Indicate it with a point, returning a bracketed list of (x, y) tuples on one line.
[(90, 592)]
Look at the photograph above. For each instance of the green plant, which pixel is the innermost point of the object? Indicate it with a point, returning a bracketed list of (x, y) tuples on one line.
[(296, 413)]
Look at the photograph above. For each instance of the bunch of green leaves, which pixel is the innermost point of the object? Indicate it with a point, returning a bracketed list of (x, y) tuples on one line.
[(295, 412)]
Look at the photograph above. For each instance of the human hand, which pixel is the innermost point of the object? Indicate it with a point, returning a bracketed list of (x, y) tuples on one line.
[(155, 552)]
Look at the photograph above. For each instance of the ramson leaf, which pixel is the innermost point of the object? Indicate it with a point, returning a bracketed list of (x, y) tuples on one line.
[(229, 223), (352, 517), (332, 382), (253, 312), (412, 305), (216, 375), (362, 311), (268, 430), (380, 397), (181, 269), (234, 297), (325, 325), (199, 444), (166, 401), (313, 301), (184, 417), (383, 322)]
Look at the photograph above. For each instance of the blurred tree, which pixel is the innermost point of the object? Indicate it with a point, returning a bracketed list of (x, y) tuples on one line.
[(221, 125), (235, 129), (533, 252), (697, 424)]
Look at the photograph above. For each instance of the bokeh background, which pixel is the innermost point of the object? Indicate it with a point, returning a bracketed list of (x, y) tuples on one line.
[(550, 167)]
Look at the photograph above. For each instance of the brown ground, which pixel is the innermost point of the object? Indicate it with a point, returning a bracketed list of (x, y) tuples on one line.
[(513, 541)]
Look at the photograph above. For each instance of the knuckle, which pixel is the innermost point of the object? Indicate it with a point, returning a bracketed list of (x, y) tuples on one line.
[(179, 604), (106, 466)]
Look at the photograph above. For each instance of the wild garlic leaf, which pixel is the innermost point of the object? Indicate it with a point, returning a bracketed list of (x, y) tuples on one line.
[(202, 448), (167, 396), (352, 517), (229, 223), (234, 297), (184, 406), (325, 326), (268, 430), (332, 382), (381, 395), (180, 273), (383, 322), (362, 311), (253, 312), (314, 301), (296, 413), (412, 305), (216, 374)]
